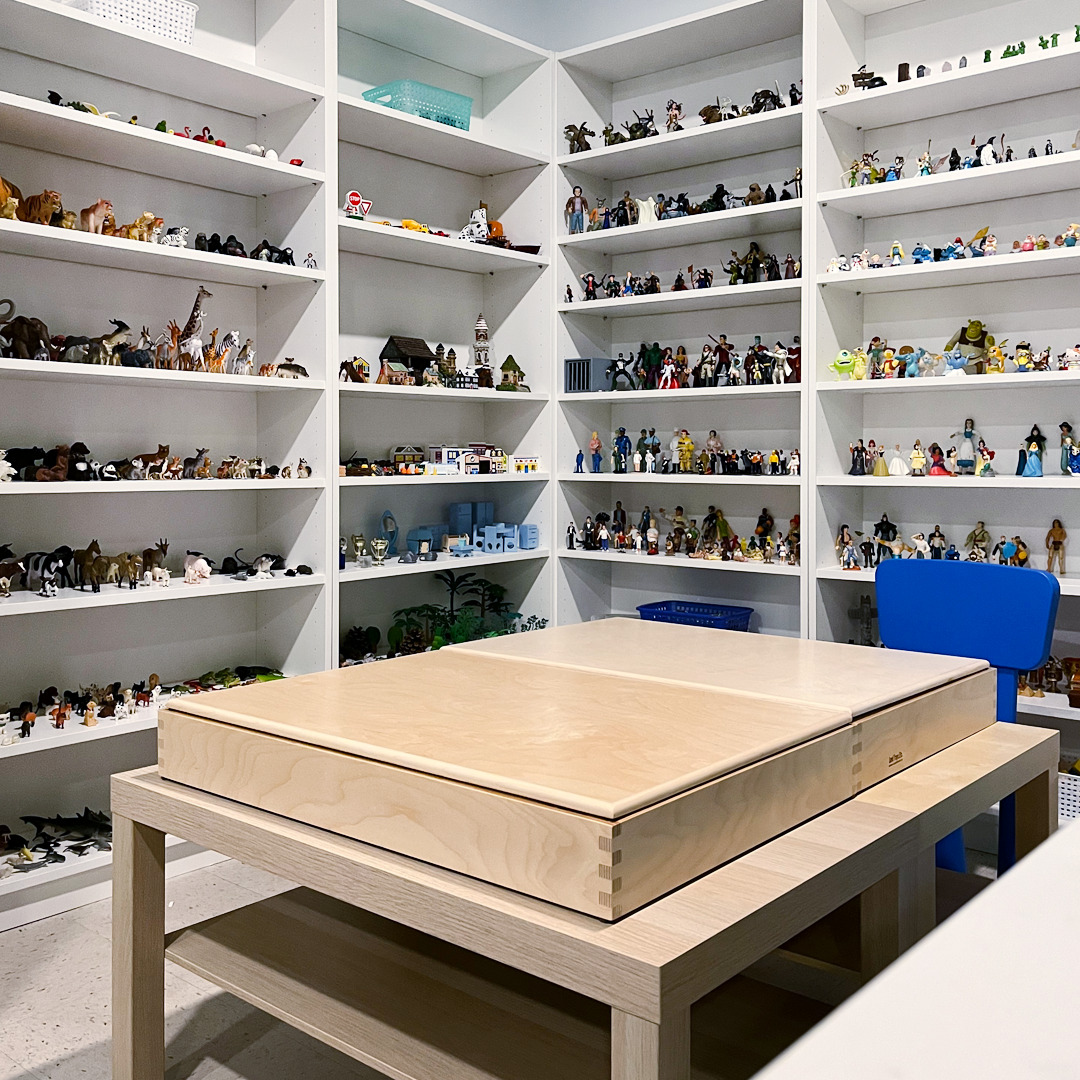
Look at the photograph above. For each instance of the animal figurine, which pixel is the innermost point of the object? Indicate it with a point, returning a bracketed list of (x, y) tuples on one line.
[(39, 209), (578, 135), (244, 360), (7, 470), (613, 137), (9, 208), (140, 228), (153, 461), (303, 469), (643, 127), (102, 350), (155, 556), (167, 351), (92, 219), (196, 569), (175, 237), (57, 472), (290, 369), (9, 191)]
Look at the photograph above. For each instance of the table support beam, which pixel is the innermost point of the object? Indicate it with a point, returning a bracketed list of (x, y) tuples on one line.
[(1036, 811), (138, 966), (896, 912), (641, 1050)]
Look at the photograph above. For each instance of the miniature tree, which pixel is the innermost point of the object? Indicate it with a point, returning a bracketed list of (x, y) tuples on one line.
[(456, 585)]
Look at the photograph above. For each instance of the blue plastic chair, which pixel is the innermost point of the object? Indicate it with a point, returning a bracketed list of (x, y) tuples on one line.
[(1002, 614)]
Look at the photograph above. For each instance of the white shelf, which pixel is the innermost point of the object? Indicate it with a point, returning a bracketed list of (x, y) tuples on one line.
[(438, 395), (719, 296), (965, 187), (90, 249), (974, 87), (679, 479), (698, 145), (421, 28), (405, 245), (180, 380), (694, 229), (28, 603), (116, 487), (681, 562), (395, 569), (46, 737), (957, 483), (1044, 380), (38, 125), (1003, 267), (1070, 586), (1051, 705), (704, 35), (690, 393), (71, 38), (423, 481), (380, 128)]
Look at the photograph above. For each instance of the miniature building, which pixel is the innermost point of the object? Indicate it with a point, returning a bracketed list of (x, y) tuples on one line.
[(412, 352), (462, 380), (524, 464), (582, 375), (481, 360), (407, 455), (394, 374), (513, 378)]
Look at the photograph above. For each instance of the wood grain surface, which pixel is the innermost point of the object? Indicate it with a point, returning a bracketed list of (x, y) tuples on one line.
[(821, 673), (599, 744)]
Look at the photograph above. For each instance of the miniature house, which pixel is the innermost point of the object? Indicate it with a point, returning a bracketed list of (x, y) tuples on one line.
[(513, 378), (394, 374), (407, 455), (412, 352), (462, 380)]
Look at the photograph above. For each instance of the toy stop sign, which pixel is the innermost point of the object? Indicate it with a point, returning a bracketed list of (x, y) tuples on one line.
[(356, 205)]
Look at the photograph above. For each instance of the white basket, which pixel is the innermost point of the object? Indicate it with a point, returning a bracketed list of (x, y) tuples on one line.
[(1068, 797), (174, 19)]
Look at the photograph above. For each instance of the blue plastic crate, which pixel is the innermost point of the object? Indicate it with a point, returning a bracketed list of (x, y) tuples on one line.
[(419, 99), (717, 616)]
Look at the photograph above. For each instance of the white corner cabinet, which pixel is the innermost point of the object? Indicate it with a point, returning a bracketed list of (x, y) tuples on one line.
[(292, 76)]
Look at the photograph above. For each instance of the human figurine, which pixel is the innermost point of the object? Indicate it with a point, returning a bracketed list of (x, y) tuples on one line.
[(978, 540), (1003, 551), (569, 295), (1067, 442), (965, 454), (674, 115), (646, 520), (571, 536), (936, 541), (673, 446), (917, 457), (1055, 547), (896, 253), (620, 371), (860, 459), (587, 534), (579, 462), (621, 447), (867, 549), (985, 459), (897, 465), (650, 462), (884, 534), (919, 543), (596, 449), (877, 456), (603, 535), (577, 206), (951, 554), (1033, 461), (845, 549), (618, 517), (686, 452), (764, 526), (937, 461), (589, 282)]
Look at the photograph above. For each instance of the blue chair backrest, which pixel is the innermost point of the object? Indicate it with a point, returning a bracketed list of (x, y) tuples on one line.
[(1002, 614)]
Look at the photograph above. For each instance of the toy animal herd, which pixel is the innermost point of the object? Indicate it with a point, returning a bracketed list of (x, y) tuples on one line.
[(176, 348), (35, 464), (47, 572)]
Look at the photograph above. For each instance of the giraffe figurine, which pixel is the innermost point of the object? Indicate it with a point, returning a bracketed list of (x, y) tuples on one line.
[(193, 327)]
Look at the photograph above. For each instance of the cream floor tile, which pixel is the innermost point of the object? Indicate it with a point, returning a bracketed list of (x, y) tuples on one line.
[(12, 1070), (250, 877)]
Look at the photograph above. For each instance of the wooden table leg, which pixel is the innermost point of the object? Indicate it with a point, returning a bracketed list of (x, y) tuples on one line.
[(1036, 811), (896, 912), (138, 952), (641, 1050)]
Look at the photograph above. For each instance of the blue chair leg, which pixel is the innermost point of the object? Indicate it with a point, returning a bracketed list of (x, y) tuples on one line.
[(1007, 682), (950, 853)]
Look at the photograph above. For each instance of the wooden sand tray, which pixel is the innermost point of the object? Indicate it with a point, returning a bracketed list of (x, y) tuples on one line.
[(596, 766)]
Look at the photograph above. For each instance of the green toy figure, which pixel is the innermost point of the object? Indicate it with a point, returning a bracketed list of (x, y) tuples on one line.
[(973, 341)]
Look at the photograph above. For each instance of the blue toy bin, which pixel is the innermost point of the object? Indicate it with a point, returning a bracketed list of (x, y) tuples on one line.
[(419, 99), (688, 613)]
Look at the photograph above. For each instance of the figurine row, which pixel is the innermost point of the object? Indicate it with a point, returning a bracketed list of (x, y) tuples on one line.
[(35, 464), (887, 543), (631, 211), (1048, 679), (48, 209), (475, 608), (715, 539), (116, 701), (53, 840), (970, 456), (869, 80), (982, 245), (161, 126), (472, 459), (46, 572), (408, 361), (647, 455), (865, 169), (972, 350), (720, 364), (752, 268), (24, 337), (478, 229), (644, 127)]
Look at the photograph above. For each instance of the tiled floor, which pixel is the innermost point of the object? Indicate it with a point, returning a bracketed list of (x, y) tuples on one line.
[(55, 987)]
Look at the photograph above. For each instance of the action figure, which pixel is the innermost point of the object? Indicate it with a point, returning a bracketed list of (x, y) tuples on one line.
[(577, 206), (936, 541), (917, 457), (579, 462), (860, 459), (978, 540), (571, 536), (1055, 547), (884, 535), (621, 450), (845, 549), (674, 115), (686, 452), (595, 448), (589, 281), (619, 370)]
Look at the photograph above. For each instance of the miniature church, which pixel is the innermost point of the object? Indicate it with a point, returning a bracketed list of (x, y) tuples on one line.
[(481, 362)]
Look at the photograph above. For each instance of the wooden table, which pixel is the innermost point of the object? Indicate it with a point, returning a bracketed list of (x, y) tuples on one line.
[(425, 974)]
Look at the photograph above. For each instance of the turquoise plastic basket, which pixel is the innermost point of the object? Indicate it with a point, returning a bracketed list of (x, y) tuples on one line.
[(717, 616), (407, 95)]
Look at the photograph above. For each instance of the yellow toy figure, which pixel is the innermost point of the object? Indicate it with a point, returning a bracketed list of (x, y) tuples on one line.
[(858, 370), (686, 452), (995, 359), (90, 716)]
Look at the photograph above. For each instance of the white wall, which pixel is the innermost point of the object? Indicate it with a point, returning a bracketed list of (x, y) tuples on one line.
[(565, 24)]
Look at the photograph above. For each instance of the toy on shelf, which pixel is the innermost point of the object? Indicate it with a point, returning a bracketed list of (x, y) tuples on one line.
[(1055, 547), (578, 135), (577, 206)]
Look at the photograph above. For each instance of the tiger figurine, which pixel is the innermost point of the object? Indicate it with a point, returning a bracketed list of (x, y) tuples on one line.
[(39, 209)]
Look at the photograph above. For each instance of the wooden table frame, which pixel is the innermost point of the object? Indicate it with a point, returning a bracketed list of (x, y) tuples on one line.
[(649, 967)]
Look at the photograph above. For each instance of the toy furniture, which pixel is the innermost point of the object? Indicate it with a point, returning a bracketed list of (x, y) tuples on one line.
[(466, 979), (934, 604)]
